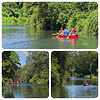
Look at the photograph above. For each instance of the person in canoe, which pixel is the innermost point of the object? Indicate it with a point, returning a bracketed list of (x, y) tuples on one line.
[(17, 82), (65, 32), (61, 30), (85, 83), (73, 32)]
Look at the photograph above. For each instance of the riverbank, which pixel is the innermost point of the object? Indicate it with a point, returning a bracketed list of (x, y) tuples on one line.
[(12, 21), (51, 15)]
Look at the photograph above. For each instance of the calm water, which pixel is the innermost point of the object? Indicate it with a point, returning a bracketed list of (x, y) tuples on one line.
[(15, 37), (75, 89), (25, 91)]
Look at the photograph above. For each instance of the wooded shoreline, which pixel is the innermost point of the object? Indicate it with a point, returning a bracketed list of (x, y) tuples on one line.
[(83, 16), (66, 64), (36, 69)]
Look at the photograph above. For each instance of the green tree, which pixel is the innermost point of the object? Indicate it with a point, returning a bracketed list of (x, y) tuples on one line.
[(36, 69), (73, 64), (83, 16), (55, 76), (10, 62)]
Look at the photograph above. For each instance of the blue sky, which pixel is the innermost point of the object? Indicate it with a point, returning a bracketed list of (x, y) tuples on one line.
[(22, 56)]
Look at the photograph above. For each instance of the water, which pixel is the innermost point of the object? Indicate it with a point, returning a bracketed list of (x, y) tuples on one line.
[(25, 91), (75, 89), (16, 37)]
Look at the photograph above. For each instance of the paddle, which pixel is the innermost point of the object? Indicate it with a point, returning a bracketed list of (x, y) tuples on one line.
[(54, 34), (68, 37)]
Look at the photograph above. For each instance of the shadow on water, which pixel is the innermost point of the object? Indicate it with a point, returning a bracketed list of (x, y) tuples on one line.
[(25, 91), (75, 89)]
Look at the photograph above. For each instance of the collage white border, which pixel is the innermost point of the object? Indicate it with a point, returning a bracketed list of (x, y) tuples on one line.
[(49, 50)]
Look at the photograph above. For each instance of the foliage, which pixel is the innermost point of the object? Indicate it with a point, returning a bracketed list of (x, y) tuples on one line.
[(58, 68), (10, 62), (75, 64), (92, 23), (55, 76), (36, 69), (83, 16)]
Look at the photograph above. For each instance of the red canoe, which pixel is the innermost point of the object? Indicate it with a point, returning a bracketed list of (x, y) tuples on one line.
[(14, 83), (69, 37)]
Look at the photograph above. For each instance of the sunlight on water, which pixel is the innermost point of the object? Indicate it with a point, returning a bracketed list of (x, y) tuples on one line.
[(28, 38), (75, 89)]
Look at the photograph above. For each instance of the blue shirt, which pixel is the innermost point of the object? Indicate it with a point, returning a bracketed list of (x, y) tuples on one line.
[(66, 32)]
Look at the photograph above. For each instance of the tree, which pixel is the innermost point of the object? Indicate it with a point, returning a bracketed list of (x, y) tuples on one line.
[(36, 69), (10, 62), (55, 76), (66, 64), (83, 16)]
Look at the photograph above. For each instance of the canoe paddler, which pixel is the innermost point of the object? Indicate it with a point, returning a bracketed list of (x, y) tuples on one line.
[(85, 83), (73, 32), (61, 30), (66, 32), (17, 82)]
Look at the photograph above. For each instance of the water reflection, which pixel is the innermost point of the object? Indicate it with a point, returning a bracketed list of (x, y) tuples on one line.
[(15, 37), (79, 91), (75, 89), (26, 91), (73, 43), (68, 43)]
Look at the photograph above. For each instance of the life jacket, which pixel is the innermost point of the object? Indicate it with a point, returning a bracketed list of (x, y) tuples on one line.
[(60, 31), (73, 31)]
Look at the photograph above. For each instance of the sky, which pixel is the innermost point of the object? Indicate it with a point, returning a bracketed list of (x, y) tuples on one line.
[(22, 56)]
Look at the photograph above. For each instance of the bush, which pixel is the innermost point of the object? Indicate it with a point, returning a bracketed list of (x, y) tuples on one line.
[(85, 25), (92, 23)]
